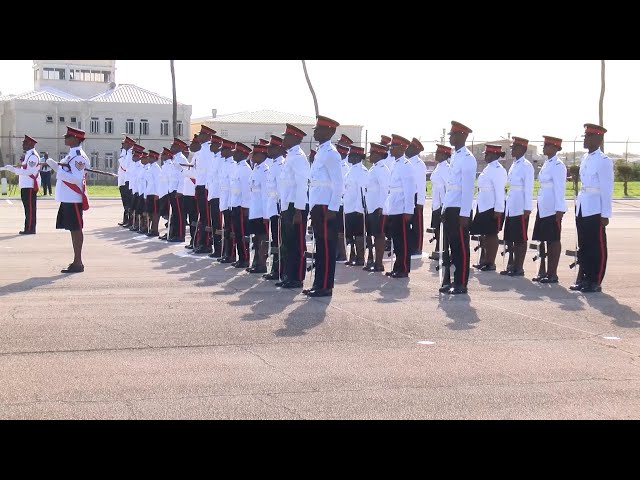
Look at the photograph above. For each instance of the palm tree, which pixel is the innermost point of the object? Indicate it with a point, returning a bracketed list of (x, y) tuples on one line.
[(175, 102), (313, 94), (601, 96)]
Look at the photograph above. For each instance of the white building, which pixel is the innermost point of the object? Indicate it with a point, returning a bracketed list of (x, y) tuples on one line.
[(83, 94), (249, 127)]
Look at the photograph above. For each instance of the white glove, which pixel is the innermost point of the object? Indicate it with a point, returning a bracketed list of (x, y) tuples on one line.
[(53, 164), (10, 168)]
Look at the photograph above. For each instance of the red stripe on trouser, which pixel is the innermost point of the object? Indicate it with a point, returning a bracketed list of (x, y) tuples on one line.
[(464, 258), (405, 252), (233, 240), (244, 247), (78, 216), (601, 269), (498, 223), (302, 261), (180, 225), (30, 209), (524, 231), (382, 217), (326, 250), (197, 198)]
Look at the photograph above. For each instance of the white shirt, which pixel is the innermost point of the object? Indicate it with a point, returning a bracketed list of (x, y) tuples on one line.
[(202, 161), (461, 180), (378, 178), (327, 183), (552, 178), (270, 188), (420, 174), (491, 184), (189, 180), (439, 178), (29, 171), (294, 178), (520, 198), (122, 170), (239, 186), (166, 172), (226, 168), (213, 176), (276, 166), (176, 178), (153, 180), (596, 191), (402, 188), (74, 174), (257, 190), (355, 184), (133, 173)]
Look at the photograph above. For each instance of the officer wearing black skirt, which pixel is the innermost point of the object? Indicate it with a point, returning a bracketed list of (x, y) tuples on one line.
[(551, 207), (489, 216)]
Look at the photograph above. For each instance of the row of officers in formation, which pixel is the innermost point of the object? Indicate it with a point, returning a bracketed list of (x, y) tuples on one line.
[(237, 199)]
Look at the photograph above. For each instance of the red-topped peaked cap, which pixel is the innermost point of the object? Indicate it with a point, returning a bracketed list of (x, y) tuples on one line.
[(357, 150), (520, 141), (262, 141), (204, 129), (344, 140), (322, 121), (259, 148), (457, 127), (241, 147), (129, 141), (275, 140), (216, 139), (74, 132), (594, 129), (228, 144), (377, 148), (137, 148), (416, 143), (166, 151), (29, 140), (342, 149), (491, 148), (555, 141), (385, 140), (399, 140), (293, 130), (182, 144), (443, 149), (153, 154)]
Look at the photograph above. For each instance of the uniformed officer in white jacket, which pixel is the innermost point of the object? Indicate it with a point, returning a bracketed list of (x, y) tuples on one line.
[(519, 206), (258, 225), (490, 204), (133, 174), (226, 169), (377, 189), (153, 193), (29, 182), (177, 230), (275, 162), (166, 173), (416, 234), (123, 181), (438, 180), (326, 188), (552, 205), (294, 181), (594, 206), (399, 206), (213, 197), (342, 147), (71, 193), (202, 161), (190, 210), (240, 200), (457, 205), (354, 186)]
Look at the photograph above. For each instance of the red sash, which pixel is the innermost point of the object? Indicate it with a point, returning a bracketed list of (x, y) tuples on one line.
[(35, 181), (75, 188)]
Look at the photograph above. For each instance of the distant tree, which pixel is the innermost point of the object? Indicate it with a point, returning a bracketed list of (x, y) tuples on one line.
[(624, 172), (574, 176)]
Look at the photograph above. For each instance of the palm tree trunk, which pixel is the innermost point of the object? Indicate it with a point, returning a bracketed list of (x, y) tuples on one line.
[(175, 102), (313, 94), (601, 106)]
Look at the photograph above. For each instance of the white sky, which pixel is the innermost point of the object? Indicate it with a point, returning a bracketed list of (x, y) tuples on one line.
[(412, 98)]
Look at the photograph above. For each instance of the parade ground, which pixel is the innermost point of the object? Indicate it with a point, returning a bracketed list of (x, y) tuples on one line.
[(150, 331)]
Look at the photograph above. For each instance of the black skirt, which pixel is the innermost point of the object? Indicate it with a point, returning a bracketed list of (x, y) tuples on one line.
[(546, 229), (515, 228), (486, 224), (69, 216)]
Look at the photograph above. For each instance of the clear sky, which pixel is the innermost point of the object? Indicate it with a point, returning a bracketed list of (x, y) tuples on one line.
[(412, 98)]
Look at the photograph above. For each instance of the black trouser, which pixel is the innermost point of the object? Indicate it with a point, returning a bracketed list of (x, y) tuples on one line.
[(458, 238), (592, 247), (216, 223), (229, 239), (46, 182), (275, 241), (325, 233), (435, 224), (176, 224), (399, 229), (416, 233), (240, 220), (190, 214), (124, 196), (203, 237), (294, 244), (29, 196)]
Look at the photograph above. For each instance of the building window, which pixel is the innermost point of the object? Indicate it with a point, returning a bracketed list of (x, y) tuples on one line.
[(49, 118), (108, 160), (164, 128), (130, 127), (73, 120), (108, 125), (144, 126), (94, 159), (224, 133), (180, 128), (53, 73), (94, 126), (80, 125), (61, 119)]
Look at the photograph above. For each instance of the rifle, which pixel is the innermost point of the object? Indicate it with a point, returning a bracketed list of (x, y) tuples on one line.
[(574, 253), (368, 242), (91, 170), (444, 264)]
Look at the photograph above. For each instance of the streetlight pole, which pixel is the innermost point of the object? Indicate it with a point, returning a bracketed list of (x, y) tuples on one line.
[(626, 151)]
